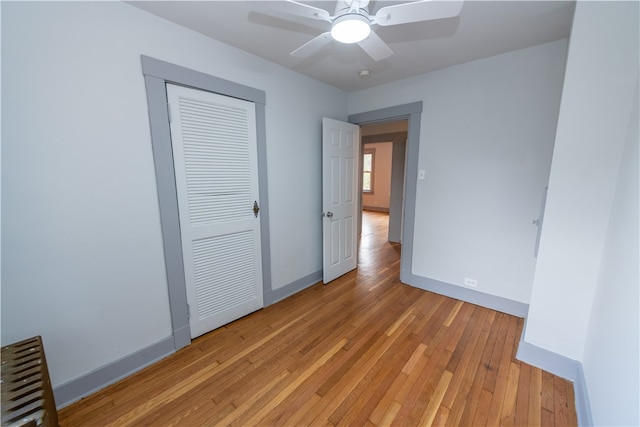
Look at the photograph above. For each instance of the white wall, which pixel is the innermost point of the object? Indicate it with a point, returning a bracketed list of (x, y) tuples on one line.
[(382, 176), (584, 304), (592, 128), (611, 356), (486, 140), (81, 242)]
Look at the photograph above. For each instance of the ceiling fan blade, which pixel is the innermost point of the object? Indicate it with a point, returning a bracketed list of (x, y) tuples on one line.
[(312, 46), (293, 8), (375, 47), (423, 10)]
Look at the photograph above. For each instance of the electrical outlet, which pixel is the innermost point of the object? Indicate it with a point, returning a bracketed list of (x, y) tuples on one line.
[(471, 282)]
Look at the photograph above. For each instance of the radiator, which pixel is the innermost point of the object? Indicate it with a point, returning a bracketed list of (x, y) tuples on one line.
[(27, 399)]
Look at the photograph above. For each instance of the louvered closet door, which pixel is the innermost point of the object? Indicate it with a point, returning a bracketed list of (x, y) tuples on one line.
[(215, 157)]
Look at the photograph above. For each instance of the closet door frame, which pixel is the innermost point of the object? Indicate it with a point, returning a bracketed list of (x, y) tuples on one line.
[(156, 75)]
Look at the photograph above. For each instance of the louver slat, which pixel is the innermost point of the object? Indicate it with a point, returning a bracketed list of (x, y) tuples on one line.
[(224, 272), (217, 164)]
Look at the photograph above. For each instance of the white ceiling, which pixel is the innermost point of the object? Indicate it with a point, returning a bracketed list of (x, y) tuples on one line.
[(483, 28)]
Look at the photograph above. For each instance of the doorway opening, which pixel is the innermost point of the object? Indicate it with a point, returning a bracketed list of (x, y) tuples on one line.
[(411, 114), (383, 148), (382, 171)]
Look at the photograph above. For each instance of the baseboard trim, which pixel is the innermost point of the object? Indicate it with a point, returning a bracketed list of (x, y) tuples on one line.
[(295, 286), (97, 379), (182, 337), (493, 302), (563, 367), (549, 361), (74, 390), (583, 405)]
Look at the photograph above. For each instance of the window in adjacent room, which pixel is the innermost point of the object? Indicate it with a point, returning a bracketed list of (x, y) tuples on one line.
[(367, 170)]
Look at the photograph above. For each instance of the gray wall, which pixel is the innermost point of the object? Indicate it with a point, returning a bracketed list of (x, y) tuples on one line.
[(486, 140)]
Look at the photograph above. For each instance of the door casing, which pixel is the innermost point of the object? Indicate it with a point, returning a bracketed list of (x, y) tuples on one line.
[(156, 75)]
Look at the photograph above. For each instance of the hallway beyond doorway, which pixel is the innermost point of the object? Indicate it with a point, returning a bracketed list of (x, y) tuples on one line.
[(374, 245)]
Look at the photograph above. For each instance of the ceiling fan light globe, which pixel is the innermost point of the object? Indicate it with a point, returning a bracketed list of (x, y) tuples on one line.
[(351, 28)]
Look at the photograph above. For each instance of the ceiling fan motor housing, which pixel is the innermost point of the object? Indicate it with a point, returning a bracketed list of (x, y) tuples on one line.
[(352, 6), (351, 23), (350, 28)]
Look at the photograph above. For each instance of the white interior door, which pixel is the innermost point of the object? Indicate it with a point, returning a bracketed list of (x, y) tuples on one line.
[(340, 156), (215, 158)]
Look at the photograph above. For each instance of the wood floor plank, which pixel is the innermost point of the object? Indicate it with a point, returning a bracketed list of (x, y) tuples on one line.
[(560, 402), (508, 415), (572, 418), (522, 401), (423, 390), (357, 407), (434, 403), (473, 398), (535, 398), (363, 350), (502, 326), (251, 400), (294, 384), (468, 350), (461, 390), (547, 391), (499, 390), (293, 418), (349, 382), (453, 314), (481, 415), (464, 347), (547, 418), (442, 416), (413, 360), (390, 414)]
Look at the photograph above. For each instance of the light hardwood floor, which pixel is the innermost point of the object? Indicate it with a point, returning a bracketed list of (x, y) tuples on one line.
[(364, 350)]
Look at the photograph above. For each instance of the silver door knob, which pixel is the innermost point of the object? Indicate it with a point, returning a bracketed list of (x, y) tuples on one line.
[(329, 214)]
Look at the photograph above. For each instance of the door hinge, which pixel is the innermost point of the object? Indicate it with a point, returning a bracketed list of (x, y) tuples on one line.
[(188, 312), (169, 112)]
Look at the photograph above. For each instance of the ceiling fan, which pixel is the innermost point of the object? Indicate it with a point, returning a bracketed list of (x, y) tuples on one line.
[(351, 22)]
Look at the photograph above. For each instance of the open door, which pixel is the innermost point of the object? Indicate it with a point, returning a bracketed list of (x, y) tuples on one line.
[(340, 156)]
